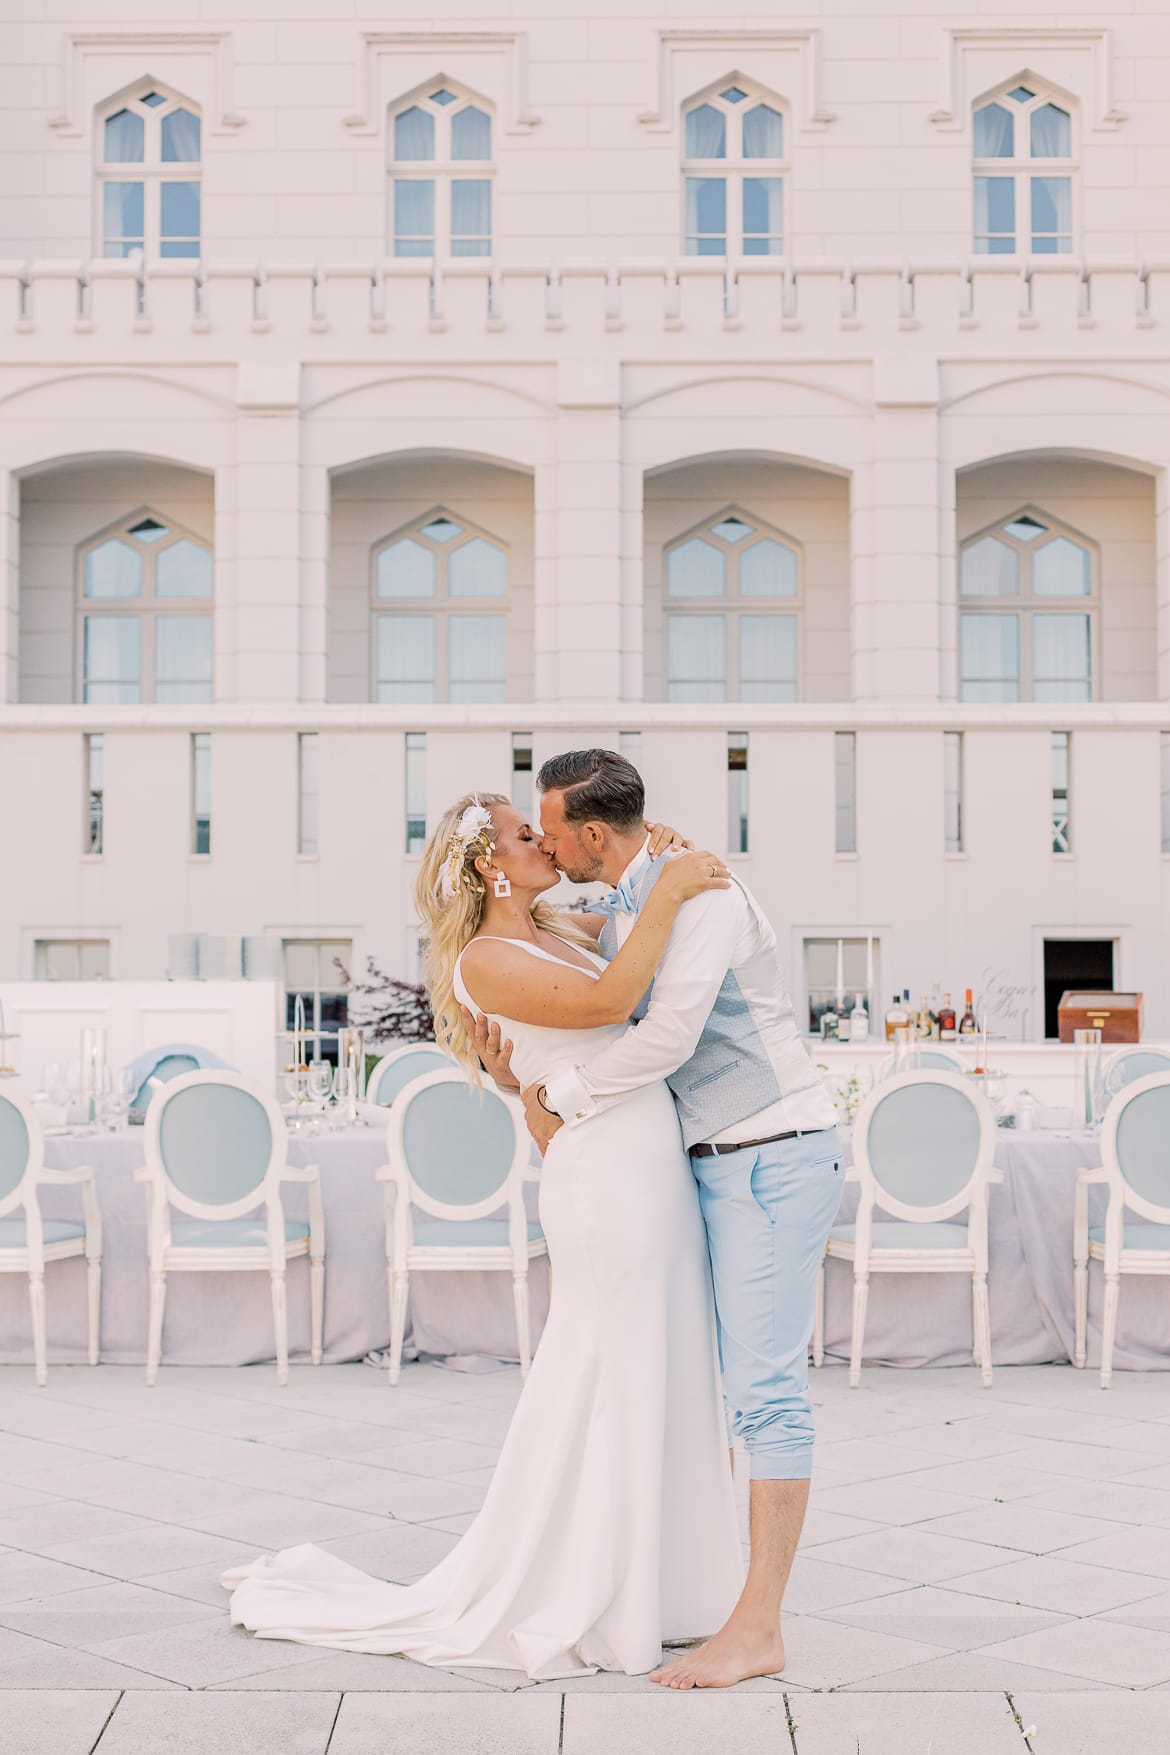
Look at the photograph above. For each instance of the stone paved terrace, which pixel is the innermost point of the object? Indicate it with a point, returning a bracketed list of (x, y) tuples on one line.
[(983, 1572)]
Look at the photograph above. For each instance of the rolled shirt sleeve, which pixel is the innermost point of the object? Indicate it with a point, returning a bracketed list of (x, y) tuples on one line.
[(699, 952)]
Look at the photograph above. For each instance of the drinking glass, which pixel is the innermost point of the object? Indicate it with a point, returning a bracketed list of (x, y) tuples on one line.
[(1088, 1089), (320, 1082)]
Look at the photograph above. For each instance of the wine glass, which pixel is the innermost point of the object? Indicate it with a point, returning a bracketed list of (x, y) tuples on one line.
[(320, 1082)]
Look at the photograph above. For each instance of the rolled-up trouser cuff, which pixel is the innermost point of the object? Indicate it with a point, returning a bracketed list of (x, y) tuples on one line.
[(788, 1465)]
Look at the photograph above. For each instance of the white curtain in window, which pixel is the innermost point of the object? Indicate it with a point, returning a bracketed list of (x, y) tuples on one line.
[(1051, 133), (707, 210), (995, 207), (414, 135), (406, 658), (125, 136), (471, 208), (180, 138), (993, 132), (477, 657), (990, 648), (1051, 207), (763, 133), (695, 665), (182, 658), (471, 134), (1060, 657), (695, 569), (767, 658), (989, 569), (706, 133)]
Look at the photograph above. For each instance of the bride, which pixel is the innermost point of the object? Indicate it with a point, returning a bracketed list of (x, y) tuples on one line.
[(609, 1525)]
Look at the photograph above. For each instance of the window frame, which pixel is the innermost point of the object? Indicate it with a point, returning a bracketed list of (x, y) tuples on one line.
[(1027, 603), (442, 171), (734, 604), (147, 607), (316, 1031), (1021, 168), (75, 941), (441, 608), (734, 169), (151, 171)]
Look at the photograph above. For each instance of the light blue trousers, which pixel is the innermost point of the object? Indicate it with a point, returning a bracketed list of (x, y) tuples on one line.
[(768, 1211)]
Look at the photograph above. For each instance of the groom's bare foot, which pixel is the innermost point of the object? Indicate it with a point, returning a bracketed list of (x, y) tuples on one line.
[(737, 1651)]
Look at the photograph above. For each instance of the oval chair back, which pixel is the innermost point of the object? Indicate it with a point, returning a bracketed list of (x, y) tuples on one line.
[(1132, 1064), (921, 1145), (217, 1142), (463, 1153), (1135, 1149), (401, 1067), (21, 1151)]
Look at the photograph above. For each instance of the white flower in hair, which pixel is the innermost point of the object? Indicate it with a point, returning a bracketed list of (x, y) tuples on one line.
[(475, 825)]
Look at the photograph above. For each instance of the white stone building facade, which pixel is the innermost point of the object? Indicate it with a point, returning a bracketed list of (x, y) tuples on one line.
[(386, 404)]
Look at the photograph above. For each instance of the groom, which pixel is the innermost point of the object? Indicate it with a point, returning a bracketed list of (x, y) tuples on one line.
[(719, 1027)]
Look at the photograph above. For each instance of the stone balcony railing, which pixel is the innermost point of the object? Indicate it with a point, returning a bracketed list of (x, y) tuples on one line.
[(537, 310)]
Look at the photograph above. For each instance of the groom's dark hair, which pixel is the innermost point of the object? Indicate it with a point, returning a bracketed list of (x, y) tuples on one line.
[(599, 786)]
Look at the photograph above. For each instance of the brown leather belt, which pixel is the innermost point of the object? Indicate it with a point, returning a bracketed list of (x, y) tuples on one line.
[(709, 1151)]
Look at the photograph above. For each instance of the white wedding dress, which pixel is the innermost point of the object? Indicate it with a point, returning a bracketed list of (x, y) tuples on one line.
[(609, 1525)]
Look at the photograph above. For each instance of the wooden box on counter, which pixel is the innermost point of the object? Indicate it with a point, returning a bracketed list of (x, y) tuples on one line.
[(1118, 1016)]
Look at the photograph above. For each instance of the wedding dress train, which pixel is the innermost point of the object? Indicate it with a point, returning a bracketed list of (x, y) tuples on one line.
[(609, 1525)]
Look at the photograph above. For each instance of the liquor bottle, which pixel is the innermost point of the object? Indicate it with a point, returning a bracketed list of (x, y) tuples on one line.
[(946, 1020), (859, 1021), (967, 1025), (830, 1025), (897, 1018), (935, 1008), (924, 1023)]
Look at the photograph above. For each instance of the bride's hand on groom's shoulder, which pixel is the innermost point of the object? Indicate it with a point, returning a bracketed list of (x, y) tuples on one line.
[(664, 839), (689, 874), (495, 1054)]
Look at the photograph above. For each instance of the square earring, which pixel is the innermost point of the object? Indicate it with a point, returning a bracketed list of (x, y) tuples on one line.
[(502, 887)]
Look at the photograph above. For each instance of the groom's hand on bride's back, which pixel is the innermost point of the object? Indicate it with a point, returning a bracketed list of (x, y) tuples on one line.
[(495, 1055)]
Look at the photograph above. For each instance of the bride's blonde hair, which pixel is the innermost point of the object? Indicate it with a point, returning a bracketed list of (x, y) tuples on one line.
[(449, 896)]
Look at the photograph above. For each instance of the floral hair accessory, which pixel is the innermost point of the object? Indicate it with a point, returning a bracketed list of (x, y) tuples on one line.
[(473, 830)]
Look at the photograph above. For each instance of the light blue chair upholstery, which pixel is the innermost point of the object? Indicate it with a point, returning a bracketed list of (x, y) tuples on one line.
[(457, 1156), (1132, 1064), (217, 1152), (923, 1142), (167, 1062), (28, 1242), (400, 1068)]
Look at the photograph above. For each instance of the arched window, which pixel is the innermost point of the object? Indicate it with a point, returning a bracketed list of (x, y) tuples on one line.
[(441, 171), (148, 176), (440, 613), (733, 174), (732, 600), (1023, 152), (144, 615), (1028, 612)]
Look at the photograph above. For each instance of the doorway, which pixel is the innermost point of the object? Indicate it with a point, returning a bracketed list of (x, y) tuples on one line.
[(1074, 964)]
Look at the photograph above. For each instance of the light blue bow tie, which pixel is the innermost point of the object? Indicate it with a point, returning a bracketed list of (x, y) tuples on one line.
[(622, 901)]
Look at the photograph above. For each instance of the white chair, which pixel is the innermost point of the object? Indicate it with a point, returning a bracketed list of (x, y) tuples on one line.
[(400, 1067), (216, 1150), (923, 1147), (29, 1243), (1134, 1063), (1135, 1149), (456, 1156)]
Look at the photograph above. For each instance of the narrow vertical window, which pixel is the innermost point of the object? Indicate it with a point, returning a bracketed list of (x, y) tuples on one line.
[(522, 772), (201, 793), (93, 836), (149, 183), (441, 174), (1061, 792), (953, 791), (737, 791), (845, 761), (1166, 792), (416, 791), (1023, 172), (308, 757)]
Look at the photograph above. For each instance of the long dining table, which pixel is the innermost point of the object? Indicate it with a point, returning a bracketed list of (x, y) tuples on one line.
[(226, 1319)]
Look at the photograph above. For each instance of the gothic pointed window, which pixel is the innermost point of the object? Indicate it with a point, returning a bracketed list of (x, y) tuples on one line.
[(1023, 168), (734, 168), (1028, 607), (441, 171), (731, 602), (149, 176), (440, 614), (144, 616)]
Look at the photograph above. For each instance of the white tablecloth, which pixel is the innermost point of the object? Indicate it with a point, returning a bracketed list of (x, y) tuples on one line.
[(225, 1319)]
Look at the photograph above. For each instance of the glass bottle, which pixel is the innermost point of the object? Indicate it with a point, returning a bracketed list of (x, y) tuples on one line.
[(924, 1021), (967, 1024), (859, 1021), (946, 1020), (897, 1016)]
